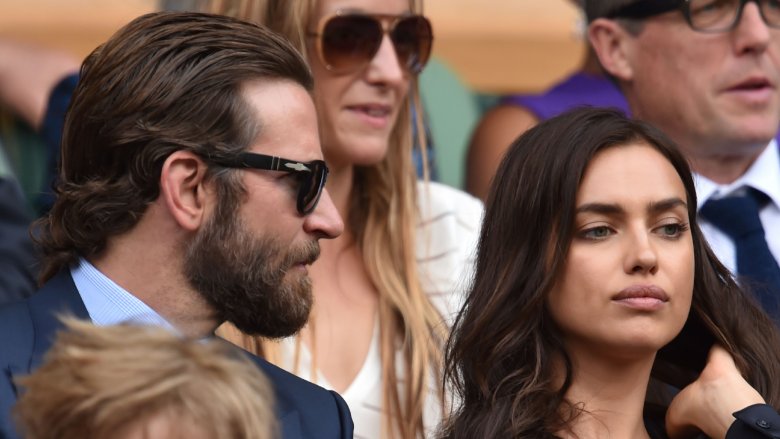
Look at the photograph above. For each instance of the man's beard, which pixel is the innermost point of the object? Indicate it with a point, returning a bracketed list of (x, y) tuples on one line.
[(244, 277)]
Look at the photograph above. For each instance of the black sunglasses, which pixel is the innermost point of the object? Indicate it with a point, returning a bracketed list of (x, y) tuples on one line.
[(702, 15), (347, 41), (311, 175)]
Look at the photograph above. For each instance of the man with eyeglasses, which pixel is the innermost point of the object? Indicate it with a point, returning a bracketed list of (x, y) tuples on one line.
[(707, 73), (191, 192)]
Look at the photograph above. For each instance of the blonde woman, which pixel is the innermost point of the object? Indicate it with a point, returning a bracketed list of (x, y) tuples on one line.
[(386, 288)]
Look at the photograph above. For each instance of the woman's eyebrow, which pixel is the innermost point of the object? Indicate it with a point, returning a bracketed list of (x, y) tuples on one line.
[(655, 207), (614, 209), (602, 208)]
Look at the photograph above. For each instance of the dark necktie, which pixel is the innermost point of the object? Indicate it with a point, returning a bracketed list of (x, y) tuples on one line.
[(757, 268)]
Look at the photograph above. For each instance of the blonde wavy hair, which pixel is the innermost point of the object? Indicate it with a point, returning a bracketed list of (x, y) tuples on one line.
[(385, 229), (106, 382)]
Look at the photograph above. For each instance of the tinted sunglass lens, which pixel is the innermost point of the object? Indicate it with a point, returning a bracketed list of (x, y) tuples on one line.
[(311, 188), (413, 37), (350, 40)]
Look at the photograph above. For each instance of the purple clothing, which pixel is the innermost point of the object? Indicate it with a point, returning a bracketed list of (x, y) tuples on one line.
[(577, 90)]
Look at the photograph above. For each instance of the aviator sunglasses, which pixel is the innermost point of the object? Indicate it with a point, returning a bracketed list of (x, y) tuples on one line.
[(311, 175), (347, 41)]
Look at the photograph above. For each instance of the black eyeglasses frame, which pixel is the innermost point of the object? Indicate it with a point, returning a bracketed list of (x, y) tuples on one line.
[(643, 9)]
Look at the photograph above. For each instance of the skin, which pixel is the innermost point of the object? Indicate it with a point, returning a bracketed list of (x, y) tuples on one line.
[(289, 130), (346, 300), (359, 107), (707, 404), (261, 285), (148, 260), (715, 94), (630, 232)]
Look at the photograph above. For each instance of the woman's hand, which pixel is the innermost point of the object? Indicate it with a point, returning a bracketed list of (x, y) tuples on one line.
[(707, 404)]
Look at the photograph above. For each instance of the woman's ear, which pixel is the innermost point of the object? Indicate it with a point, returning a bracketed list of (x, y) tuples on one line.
[(183, 189), (613, 44)]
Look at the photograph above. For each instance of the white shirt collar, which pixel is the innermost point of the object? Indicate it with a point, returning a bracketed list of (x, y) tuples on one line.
[(763, 174)]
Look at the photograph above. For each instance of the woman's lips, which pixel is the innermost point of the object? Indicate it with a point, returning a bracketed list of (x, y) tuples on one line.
[(642, 297), (375, 115)]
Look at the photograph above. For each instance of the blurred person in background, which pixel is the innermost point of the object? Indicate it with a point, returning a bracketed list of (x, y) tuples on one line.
[(28, 76), (516, 113)]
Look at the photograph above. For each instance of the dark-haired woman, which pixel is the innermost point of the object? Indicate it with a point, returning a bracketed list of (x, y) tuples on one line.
[(590, 261)]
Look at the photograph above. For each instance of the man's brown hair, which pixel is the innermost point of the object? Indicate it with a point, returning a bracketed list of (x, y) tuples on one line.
[(167, 81)]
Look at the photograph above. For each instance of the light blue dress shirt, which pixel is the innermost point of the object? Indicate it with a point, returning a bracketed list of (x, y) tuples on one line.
[(109, 304)]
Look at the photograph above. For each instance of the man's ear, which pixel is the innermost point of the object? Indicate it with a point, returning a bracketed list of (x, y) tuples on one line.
[(613, 44), (183, 189)]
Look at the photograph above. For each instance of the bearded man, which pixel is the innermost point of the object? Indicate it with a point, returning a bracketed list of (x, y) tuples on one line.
[(191, 192)]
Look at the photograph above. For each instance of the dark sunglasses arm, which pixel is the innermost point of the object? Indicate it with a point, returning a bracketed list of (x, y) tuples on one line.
[(262, 161)]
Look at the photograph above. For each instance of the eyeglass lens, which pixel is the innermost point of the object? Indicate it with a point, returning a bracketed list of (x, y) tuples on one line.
[(722, 15), (349, 41), (311, 187)]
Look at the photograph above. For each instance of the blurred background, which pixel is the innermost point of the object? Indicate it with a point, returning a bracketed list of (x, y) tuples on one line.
[(482, 49)]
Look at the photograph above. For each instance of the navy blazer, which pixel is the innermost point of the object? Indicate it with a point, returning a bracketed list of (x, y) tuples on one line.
[(28, 327), (17, 255)]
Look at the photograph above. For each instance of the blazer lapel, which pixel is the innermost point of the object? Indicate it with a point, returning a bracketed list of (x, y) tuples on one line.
[(286, 413)]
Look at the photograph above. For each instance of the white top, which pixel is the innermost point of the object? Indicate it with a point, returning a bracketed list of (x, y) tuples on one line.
[(447, 237), (764, 175)]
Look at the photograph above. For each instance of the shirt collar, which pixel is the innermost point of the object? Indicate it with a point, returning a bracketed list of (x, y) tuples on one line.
[(763, 174), (109, 304)]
